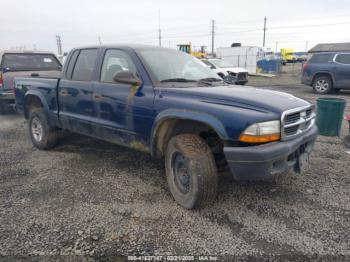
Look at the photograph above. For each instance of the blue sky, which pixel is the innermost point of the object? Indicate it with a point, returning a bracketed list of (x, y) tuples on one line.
[(293, 24)]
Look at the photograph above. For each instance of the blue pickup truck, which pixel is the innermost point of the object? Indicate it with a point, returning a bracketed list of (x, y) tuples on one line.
[(169, 104)]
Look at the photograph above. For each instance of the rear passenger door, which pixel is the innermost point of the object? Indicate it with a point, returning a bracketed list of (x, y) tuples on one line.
[(75, 92), (342, 70)]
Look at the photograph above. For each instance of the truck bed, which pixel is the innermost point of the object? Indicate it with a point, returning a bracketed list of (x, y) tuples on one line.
[(45, 87)]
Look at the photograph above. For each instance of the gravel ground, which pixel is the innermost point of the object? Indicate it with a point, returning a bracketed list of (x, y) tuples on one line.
[(98, 200)]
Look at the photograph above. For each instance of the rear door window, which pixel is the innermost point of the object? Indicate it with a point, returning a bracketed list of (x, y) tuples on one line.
[(343, 59), (30, 62), (71, 64), (321, 58), (85, 65)]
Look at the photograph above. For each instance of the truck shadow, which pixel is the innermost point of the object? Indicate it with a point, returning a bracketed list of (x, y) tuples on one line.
[(99, 154)]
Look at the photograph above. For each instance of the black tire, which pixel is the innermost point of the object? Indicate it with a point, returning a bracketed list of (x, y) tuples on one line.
[(38, 124), (322, 85), (191, 153)]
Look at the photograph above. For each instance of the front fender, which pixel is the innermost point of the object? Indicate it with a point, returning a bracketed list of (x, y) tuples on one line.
[(204, 118)]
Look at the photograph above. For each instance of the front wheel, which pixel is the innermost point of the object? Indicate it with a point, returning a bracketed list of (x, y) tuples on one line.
[(322, 85), (191, 171), (41, 133)]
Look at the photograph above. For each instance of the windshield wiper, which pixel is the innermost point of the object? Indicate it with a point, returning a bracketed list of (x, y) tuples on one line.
[(180, 80), (209, 80)]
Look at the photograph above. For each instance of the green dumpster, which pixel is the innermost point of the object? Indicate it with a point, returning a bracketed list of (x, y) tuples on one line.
[(329, 115)]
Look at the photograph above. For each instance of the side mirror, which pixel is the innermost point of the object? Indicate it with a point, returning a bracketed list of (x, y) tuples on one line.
[(127, 77), (4, 69)]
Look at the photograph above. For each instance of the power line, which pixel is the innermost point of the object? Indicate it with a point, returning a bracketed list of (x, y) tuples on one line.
[(308, 26)]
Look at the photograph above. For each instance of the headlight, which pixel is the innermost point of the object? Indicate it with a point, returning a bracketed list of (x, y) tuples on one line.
[(262, 132)]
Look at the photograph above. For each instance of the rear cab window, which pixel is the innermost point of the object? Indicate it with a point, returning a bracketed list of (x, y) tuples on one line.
[(84, 67), (30, 62)]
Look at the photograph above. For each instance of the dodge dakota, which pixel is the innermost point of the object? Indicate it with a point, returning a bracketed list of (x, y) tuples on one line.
[(171, 105)]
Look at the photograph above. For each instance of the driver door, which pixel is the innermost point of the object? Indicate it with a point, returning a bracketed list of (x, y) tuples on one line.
[(118, 107)]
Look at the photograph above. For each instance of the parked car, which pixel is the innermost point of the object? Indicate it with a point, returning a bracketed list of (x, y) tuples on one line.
[(228, 72), (167, 103), (23, 63), (327, 72)]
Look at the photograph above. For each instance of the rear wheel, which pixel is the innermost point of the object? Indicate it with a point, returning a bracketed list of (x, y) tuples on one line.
[(322, 85), (41, 133), (191, 171)]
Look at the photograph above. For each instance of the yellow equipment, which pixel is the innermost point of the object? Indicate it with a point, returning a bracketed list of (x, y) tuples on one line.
[(187, 48), (288, 55)]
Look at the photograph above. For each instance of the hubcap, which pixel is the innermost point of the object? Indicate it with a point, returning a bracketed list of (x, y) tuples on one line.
[(182, 176), (37, 129), (321, 85)]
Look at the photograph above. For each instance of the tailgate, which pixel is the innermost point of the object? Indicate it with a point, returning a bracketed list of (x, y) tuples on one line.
[(8, 77)]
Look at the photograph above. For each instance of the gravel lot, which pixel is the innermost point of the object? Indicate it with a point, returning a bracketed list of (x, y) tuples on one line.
[(90, 198)]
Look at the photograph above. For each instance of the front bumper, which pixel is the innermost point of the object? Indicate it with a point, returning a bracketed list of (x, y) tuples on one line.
[(241, 82), (262, 162)]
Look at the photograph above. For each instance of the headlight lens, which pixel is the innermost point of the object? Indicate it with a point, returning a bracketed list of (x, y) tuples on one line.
[(262, 132)]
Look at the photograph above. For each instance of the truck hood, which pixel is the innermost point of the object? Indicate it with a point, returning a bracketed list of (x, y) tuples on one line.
[(245, 97), (234, 69)]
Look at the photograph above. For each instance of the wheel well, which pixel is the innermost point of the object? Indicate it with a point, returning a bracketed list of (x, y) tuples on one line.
[(173, 127), (30, 103), (321, 74)]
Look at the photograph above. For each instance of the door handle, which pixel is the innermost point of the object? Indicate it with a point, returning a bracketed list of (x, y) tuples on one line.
[(96, 97), (63, 92)]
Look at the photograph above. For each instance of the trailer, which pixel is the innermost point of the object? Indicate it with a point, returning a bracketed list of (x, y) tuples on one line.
[(249, 57)]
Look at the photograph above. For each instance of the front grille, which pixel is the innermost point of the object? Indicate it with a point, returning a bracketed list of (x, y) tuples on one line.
[(296, 121), (241, 76), (292, 118)]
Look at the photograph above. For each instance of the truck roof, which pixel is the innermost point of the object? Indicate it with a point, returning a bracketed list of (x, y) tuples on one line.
[(126, 45), (24, 52)]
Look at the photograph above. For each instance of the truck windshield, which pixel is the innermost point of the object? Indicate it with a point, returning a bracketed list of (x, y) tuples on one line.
[(168, 65), (30, 62), (221, 63)]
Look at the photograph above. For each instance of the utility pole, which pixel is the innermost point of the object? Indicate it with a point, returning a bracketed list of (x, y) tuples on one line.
[(306, 45), (59, 44), (99, 40), (276, 46), (212, 36), (159, 30), (264, 31)]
